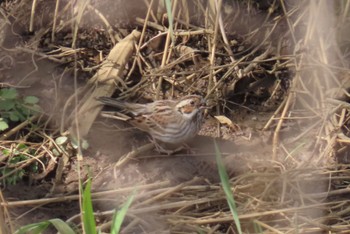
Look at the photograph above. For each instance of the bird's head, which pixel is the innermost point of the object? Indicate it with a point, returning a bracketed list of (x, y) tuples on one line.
[(190, 106)]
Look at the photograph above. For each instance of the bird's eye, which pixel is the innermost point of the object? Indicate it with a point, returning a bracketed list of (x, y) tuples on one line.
[(192, 103)]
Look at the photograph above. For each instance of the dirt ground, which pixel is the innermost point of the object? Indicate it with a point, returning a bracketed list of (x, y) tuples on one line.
[(109, 140), (242, 147)]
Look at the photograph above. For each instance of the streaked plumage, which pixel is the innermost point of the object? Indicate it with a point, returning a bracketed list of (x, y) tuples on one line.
[(168, 121)]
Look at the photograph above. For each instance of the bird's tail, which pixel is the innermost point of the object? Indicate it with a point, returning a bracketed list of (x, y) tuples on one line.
[(112, 102), (126, 107)]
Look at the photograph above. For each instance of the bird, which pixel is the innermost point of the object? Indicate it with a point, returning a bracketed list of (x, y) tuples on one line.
[(172, 122)]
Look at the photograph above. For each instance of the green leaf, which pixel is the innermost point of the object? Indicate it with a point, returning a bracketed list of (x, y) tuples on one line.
[(35, 108), (6, 152), (22, 109), (11, 176), (31, 100), (3, 125), (7, 105), (34, 168), (8, 93), (34, 228), (55, 152), (170, 20), (37, 228), (227, 187), (120, 215), (76, 144), (14, 117), (61, 140), (84, 144), (21, 146), (22, 112), (88, 213), (61, 226)]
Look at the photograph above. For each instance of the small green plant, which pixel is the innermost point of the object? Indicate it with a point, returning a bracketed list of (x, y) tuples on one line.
[(257, 227), (119, 216), (14, 108), (227, 188), (60, 225), (89, 222), (170, 20), (17, 155), (88, 212)]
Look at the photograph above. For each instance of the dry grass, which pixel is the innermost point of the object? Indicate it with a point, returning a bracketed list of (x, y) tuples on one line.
[(292, 60)]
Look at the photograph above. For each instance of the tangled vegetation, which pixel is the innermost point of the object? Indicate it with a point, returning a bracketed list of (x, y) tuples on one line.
[(275, 74)]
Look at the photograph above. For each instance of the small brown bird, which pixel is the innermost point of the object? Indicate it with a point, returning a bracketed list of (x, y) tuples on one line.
[(169, 121)]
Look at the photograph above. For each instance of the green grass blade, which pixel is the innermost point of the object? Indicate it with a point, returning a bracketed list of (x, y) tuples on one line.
[(257, 227), (170, 19), (120, 215), (37, 228), (34, 228), (227, 187), (88, 213), (61, 226)]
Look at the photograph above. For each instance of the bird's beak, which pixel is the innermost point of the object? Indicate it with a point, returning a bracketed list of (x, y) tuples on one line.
[(203, 106)]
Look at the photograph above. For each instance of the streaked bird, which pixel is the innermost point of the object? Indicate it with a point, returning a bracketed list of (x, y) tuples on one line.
[(169, 121)]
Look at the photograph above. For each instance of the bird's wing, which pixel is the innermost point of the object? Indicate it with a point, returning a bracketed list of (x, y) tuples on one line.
[(115, 115), (159, 116)]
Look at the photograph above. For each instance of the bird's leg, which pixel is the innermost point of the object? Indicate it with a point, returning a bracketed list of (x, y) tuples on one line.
[(186, 147), (160, 148)]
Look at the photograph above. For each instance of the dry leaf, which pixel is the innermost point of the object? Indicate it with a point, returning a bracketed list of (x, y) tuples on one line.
[(224, 120)]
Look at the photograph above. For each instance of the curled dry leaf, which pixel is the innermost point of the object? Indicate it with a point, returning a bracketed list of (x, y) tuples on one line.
[(226, 121), (187, 53)]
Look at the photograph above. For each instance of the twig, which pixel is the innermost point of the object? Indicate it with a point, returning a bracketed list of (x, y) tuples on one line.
[(279, 125), (55, 21), (76, 197), (131, 155), (32, 14), (105, 21), (16, 129)]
